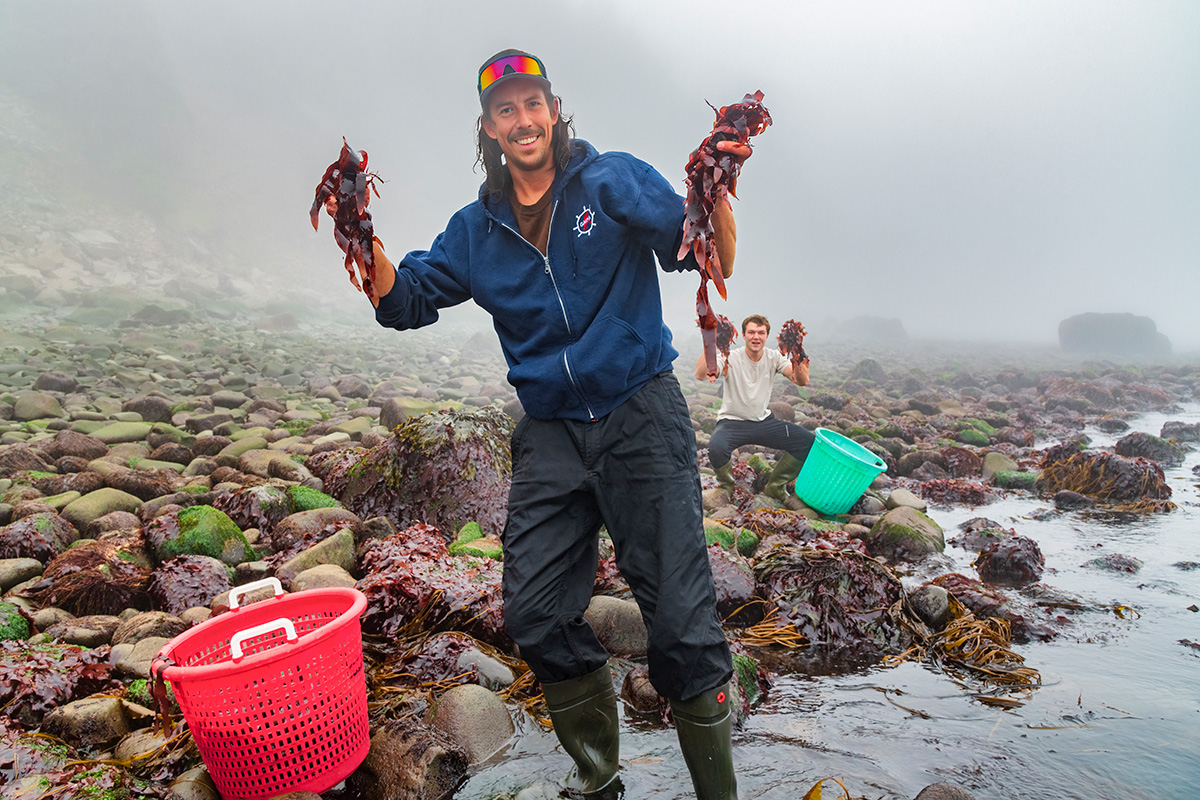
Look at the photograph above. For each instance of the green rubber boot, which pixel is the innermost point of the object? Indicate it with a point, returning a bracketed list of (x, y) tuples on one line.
[(725, 476), (705, 727), (584, 712), (787, 467)]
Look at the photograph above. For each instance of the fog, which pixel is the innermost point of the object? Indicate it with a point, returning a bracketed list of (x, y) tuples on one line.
[(979, 171)]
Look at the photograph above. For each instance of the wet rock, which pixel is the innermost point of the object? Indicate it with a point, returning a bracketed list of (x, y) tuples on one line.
[(76, 445), (55, 382), (929, 471), (135, 659), (1013, 561), (139, 744), (1115, 562), (1066, 500), (943, 791), (311, 526), (91, 722), (474, 719), (188, 581), (197, 530), (89, 631), (146, 624), (1181, 431), (96, 504), (322, 576), (17, 570), (336, 550), (903, 498), (994, 462), (618, 625), (961, 462), (932, 605), (734, 583), (444, 468), (36, 405), (905, 534), (1102, 476), (122, 432), (909, 462), (410, 761), (1145, 445), (985, 602), (113, 521), (20, 457), (150, 408), (638, 694), (197, 784), (172, 452), (39, 536)]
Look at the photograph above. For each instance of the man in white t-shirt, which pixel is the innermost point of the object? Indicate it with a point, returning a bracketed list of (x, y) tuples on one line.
[(744, 419)]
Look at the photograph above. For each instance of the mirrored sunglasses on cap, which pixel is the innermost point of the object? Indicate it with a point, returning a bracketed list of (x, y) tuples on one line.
[(510, 65)]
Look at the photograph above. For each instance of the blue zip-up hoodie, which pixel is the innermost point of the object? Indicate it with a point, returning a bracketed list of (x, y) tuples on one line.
[(581, 328)]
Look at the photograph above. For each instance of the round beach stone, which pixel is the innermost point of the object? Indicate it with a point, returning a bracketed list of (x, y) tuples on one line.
[(474, 718), (618, 625)]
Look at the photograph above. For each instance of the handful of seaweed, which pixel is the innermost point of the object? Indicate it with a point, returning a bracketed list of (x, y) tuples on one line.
[(791, 341), (711, 173), (345, 190)]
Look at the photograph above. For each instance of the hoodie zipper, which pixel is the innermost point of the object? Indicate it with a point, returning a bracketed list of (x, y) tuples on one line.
[(561, 305)]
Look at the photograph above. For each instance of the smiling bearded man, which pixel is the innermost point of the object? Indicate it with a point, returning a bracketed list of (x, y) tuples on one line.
[(561, 248)]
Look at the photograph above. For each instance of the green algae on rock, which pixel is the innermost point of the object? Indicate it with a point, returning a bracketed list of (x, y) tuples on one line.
[(198, 530)]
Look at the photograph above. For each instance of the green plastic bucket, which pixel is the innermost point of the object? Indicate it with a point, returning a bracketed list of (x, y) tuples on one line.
[(836, 473)]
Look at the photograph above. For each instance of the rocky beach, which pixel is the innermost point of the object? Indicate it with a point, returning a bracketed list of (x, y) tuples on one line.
[(151, 465)]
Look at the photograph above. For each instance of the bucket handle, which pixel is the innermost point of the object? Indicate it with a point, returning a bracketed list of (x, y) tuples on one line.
[(235, 643), (238, 592)]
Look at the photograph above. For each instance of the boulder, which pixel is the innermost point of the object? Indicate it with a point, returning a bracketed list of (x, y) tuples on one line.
[(618, 625), (905, 534), (88, 631), (96, 504), (323, 576), (409, 761), (150, 408), (36, 405), (1013, 561), (1155, 448), (146, 624), (1112, 334), (474, 719), (39, 536), (92, 722), (336, 550), (73, 443)]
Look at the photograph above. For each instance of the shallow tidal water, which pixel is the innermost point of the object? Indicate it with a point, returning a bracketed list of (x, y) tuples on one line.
[(1117, 714)]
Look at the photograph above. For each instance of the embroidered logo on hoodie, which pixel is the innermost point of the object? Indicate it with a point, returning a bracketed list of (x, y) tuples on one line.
[(585, 223)]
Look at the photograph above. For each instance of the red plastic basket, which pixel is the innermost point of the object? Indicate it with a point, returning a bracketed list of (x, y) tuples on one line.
[(274, 693)]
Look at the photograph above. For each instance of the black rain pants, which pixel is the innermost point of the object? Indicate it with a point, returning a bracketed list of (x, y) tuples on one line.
[(730, 434), (633, 470)]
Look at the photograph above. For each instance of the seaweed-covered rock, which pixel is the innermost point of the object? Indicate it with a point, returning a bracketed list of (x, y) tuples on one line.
[(198, 530), (984, 602), (443, 468), (838, 598), (412, 583), (905, 534), (262, 507), (187, 582), (35, 678), (1181, 431), (1102, 476), (734, 583), (1013, 561), (304, 529), (75, 444), (450, 655), (1155, 448), (96, 577), (41, 536)]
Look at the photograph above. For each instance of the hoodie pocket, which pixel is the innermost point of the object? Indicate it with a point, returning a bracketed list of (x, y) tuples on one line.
[(608, 359)]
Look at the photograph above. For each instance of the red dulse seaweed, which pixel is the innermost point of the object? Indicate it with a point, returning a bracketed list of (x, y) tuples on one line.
[(710, 175), (791, 341), (345, 190)]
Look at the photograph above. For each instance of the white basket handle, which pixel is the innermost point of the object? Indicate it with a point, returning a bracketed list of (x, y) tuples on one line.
[(235, 643), (238, 592)]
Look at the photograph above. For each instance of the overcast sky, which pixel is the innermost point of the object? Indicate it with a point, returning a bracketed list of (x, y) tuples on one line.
[(979, 170)]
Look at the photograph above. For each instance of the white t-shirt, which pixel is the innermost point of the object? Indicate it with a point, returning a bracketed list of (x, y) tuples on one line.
[(748, 384)]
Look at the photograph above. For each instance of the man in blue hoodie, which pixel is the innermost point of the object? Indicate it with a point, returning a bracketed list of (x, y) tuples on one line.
[(560, 248)]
